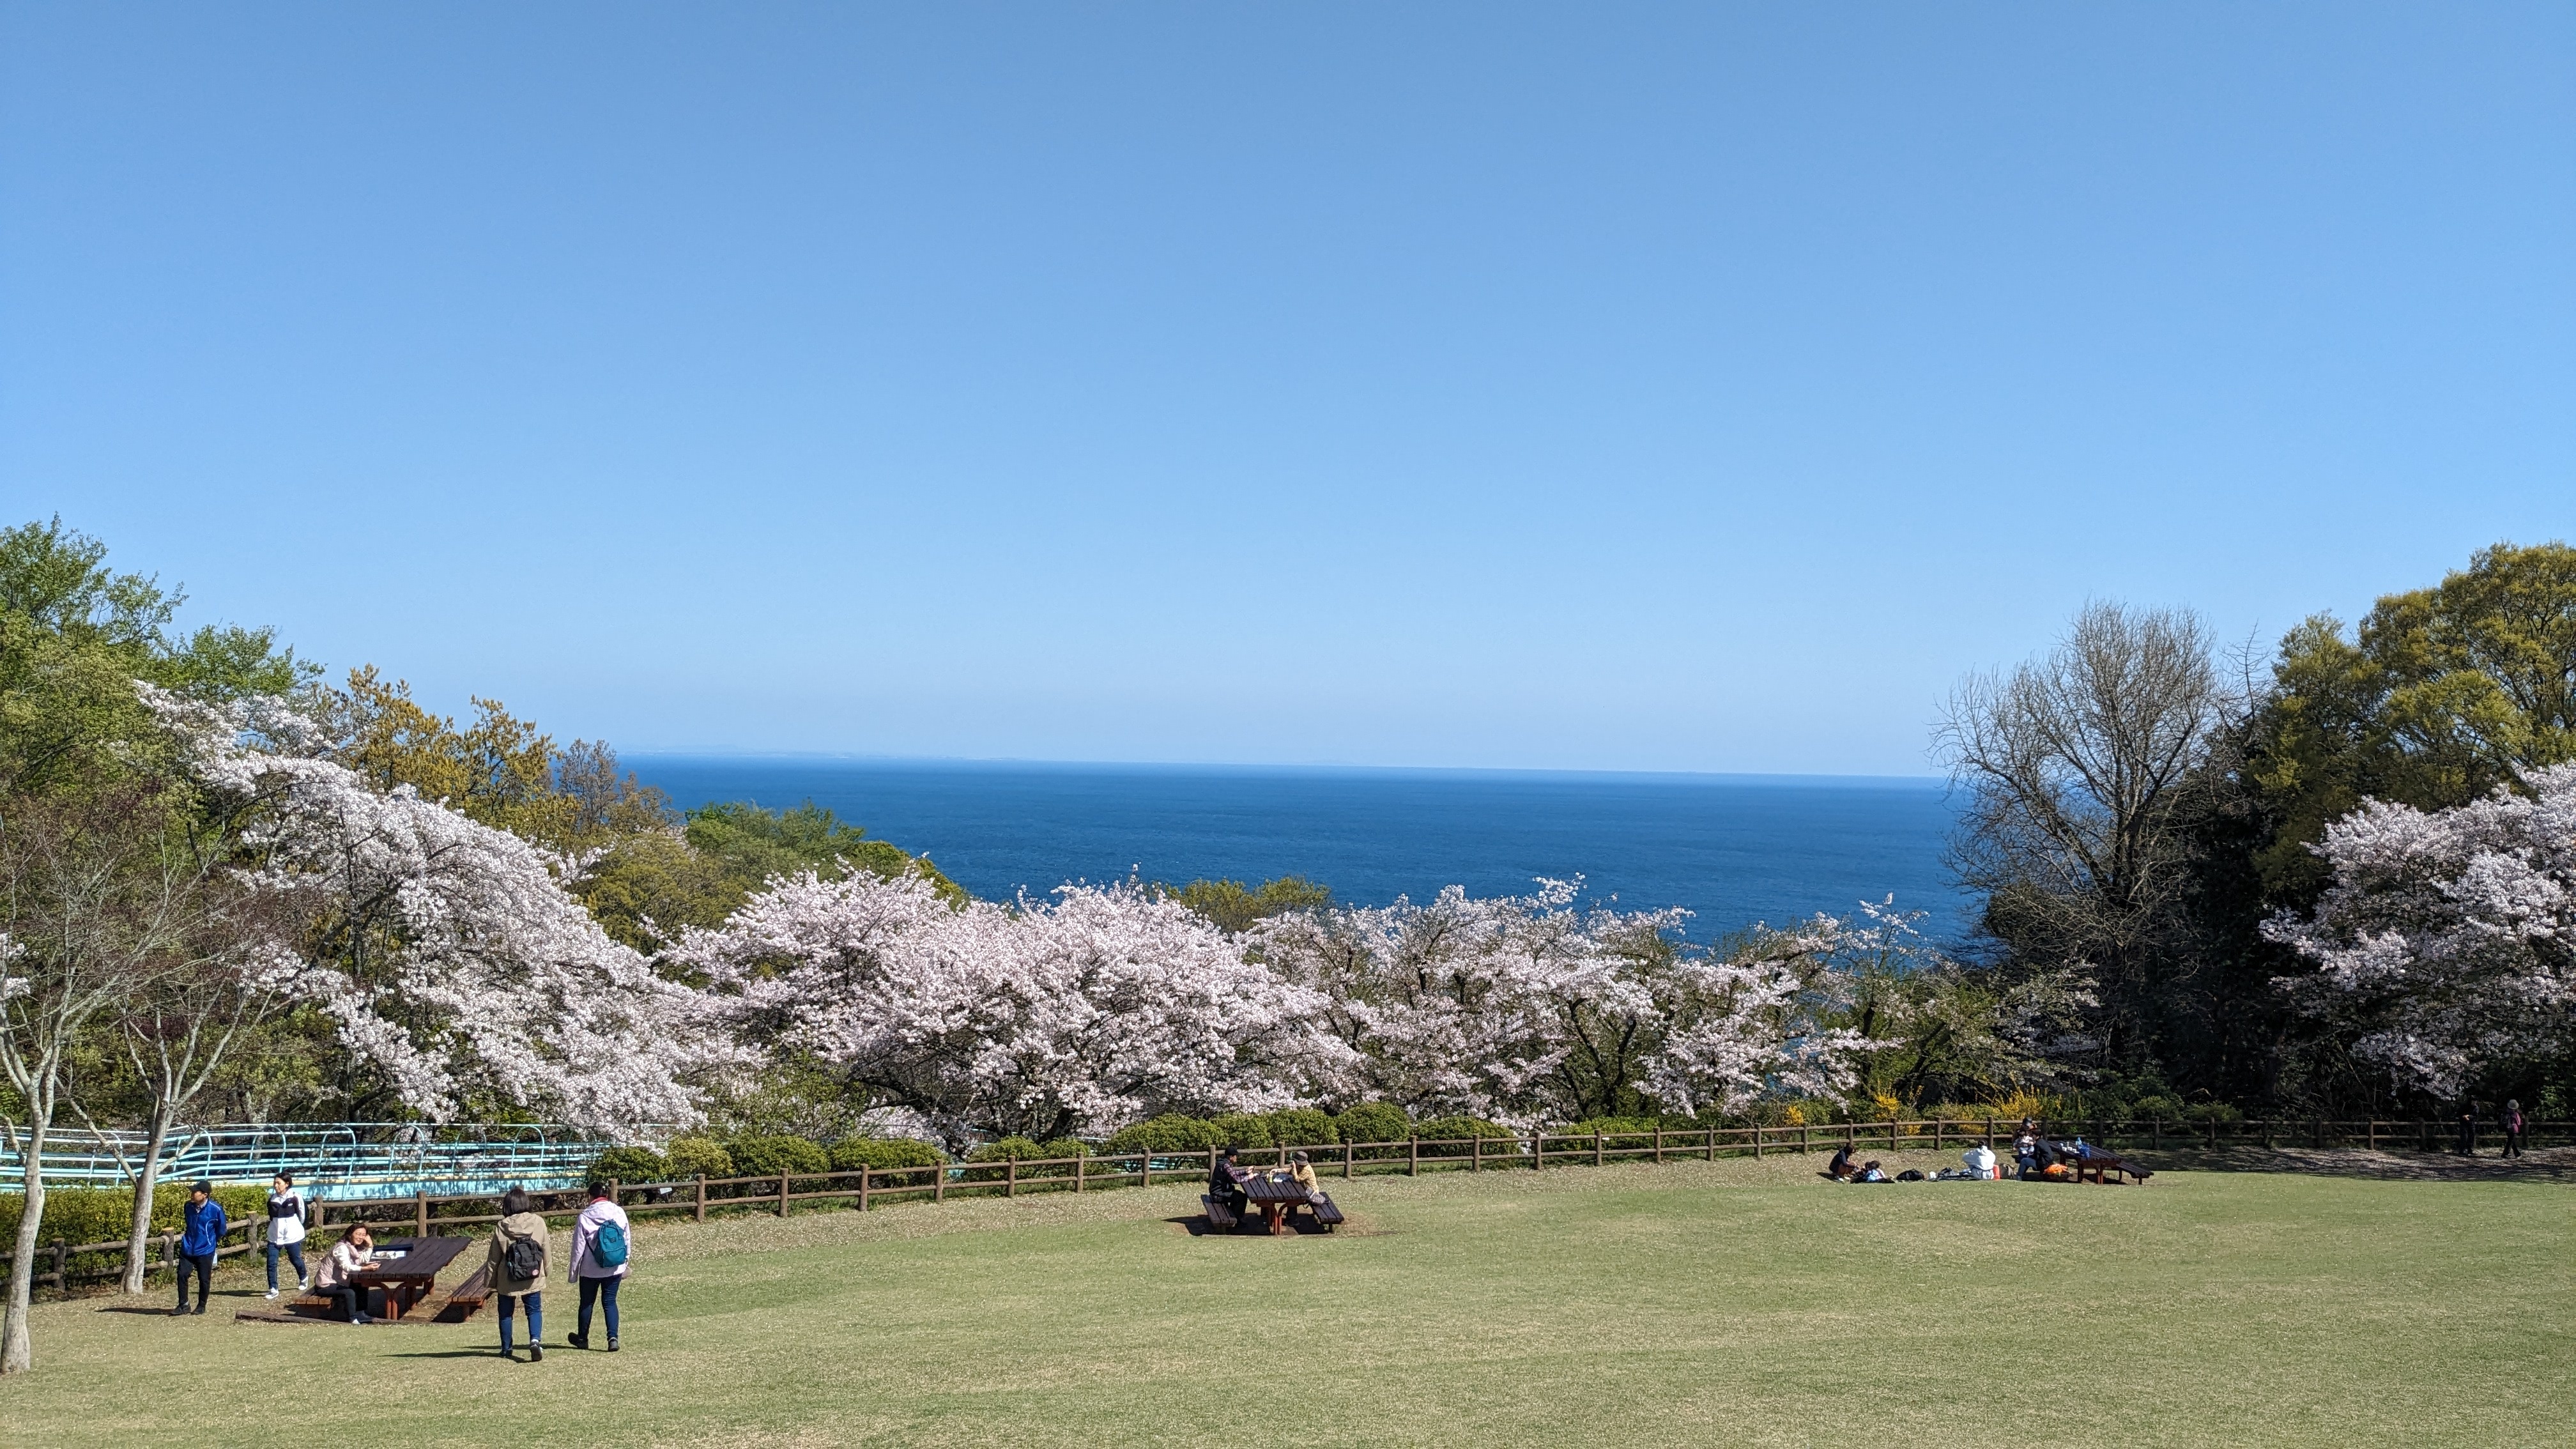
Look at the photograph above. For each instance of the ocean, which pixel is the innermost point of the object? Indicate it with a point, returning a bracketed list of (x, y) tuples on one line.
[(1732, 849)]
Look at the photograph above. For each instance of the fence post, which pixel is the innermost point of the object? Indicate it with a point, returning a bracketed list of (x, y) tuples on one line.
[(170, 1252), (1348, 1154), (1598, 1158), (702, 1197), (1659, 1144), (1802, 1139), (62, 1283), (1990, 1134), (863, 1187), (2370, 1131), (1413, 1156), (1011, 1177), (939, 1183), (419, 1213), (1077, 1171), (1711, 1144), (1757, 1142), (1476, 1153), (1538, 1148), (782, 1194)]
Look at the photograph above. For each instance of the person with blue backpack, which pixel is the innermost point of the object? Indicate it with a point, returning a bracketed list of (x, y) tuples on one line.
[(600, 1248)]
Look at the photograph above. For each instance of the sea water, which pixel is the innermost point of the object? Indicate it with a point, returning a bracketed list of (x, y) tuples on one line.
[(1732, 849)]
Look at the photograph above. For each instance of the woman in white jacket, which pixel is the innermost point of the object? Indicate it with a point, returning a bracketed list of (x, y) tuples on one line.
[(601, 1241), (286, 1232)]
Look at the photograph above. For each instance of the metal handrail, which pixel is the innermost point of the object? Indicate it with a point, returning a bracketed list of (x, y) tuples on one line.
[(347, 1159)]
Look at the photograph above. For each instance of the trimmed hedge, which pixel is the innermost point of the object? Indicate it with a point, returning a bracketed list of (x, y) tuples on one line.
[(1451, 1129), (1170, 1132), (1241, 1129), (698, 1157), (769, 1156), (106, 1214), (1303, 1127), (852, 1153), (1375, 1122), (630, 1164)]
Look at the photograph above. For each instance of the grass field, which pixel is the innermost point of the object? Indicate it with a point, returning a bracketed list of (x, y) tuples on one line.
[(1734, 1303)]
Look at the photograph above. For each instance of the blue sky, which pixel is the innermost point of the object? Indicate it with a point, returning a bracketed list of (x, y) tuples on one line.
[(1683, 388)]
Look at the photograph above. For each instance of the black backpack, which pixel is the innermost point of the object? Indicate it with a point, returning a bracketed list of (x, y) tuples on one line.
[(524, 1258)]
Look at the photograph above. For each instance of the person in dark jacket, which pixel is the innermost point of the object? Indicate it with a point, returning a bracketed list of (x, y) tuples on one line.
[(1225, 1183), (205, 1224), (2026, 1149), (2469, 1130), (1841, 1168), (2512, 1127)]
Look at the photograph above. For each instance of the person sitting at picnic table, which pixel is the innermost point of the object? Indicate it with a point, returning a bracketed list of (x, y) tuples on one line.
[(2026, 1149), (1301, 1172), (1840, 1169), (1225, 1183), (353, 1254)]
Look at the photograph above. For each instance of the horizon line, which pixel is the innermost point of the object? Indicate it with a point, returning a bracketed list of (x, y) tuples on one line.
[(842, 757)]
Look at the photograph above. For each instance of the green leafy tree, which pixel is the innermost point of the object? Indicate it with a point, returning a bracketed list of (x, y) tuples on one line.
[(1232, 907)]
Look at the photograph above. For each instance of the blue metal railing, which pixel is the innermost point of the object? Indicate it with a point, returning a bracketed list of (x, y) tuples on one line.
[(340, 1161)]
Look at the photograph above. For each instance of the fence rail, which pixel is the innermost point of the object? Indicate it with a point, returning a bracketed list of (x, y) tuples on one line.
[(863, 1187), (356, 1159)]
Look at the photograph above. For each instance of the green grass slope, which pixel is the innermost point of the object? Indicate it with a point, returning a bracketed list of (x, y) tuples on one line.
[(1736, 1303)]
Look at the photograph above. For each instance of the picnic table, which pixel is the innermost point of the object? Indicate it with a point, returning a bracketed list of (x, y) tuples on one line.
[(1277, 1195), (407, 1269)]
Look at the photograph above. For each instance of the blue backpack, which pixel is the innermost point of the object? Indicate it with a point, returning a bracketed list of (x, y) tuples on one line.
[(608, 1249)]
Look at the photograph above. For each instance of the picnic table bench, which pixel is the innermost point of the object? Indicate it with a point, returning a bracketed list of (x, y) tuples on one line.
[(2102, 1162)]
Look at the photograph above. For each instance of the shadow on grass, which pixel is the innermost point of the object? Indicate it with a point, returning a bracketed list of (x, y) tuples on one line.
[(452, 1353), (2550, 1164), (1251, 1227)]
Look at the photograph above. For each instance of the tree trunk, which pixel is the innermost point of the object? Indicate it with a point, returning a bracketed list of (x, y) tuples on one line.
[(15, 1355), (139, 1230)]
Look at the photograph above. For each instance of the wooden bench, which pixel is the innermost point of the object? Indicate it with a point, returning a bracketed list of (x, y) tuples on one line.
[(1327, 1214), (465, 1298), (2102, 1162), (1219, 1216)]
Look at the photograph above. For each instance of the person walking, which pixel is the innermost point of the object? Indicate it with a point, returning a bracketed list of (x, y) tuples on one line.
[(286, 1232), (516, 1269), (2512, 1127), (335, 1279), (204, 1225), (601, 1245), (2469, 1129)]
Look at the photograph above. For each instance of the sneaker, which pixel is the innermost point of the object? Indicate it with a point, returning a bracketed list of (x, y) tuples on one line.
[(271, 1295), (578, 1340), (304, 1287), (536, 1354), (362, 1320), (612, 1345), (200, 1308), (512, 1357)]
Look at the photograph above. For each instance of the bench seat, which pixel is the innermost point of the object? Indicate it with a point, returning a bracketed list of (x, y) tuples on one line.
[(1218, 1214), (1324, 1210)]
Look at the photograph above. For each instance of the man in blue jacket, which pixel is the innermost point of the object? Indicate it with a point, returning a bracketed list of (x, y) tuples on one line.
[(206, 1223)]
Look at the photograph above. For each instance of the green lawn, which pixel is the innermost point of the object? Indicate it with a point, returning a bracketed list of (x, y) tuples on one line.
[(1736, 1302)]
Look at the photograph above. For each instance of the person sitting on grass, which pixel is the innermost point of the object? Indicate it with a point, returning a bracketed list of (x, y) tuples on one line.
[(1840, 1169), (347, 1258), (1980, 1159), (1870, 1172), (1225, 1183)]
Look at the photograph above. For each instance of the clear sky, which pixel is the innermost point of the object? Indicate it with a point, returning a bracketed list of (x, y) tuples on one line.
[(1690, 387)]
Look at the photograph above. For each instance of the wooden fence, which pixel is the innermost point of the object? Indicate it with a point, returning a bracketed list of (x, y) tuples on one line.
[(1529, 1151)]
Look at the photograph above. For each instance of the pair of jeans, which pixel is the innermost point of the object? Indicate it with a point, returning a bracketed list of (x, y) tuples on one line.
[(2513, 1144), (203, 1265), (604, 1292), (348, 1301), (2029, 1163), (530, 1305), (294, 1254)]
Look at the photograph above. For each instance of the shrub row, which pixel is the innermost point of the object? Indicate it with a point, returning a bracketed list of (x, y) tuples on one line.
[(105, 1214)]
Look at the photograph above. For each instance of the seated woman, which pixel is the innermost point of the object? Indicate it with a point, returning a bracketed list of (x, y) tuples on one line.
[(1301, 1172), (1980, 1159), (1840, 1169), (355, 1251), (1871, 1172)]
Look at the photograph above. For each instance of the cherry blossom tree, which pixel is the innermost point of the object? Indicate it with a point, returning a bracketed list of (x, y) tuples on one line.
[(2448, 939), (448, 954), (1523, 1008), (1095, 1008)]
